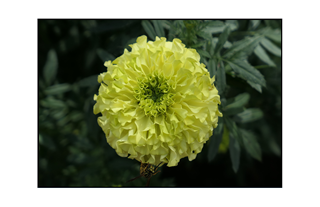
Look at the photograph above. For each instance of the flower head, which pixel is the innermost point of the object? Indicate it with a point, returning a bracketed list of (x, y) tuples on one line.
[(158, 103)]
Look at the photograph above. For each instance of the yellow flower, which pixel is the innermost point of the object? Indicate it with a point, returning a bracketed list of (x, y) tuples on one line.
[(158, 103)]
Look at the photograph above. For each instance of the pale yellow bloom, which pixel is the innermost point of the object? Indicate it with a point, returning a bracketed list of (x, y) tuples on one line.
[(158, 103)]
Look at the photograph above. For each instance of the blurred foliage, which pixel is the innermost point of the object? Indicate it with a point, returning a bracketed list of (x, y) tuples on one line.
[(243, 55)]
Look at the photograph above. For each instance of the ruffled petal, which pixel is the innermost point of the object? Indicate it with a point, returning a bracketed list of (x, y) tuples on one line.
[(158, 102)]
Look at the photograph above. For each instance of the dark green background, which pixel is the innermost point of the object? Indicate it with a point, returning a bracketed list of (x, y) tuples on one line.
[(73, 151)]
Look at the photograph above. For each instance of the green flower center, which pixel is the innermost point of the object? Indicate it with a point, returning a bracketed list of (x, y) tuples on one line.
[(155, 94)]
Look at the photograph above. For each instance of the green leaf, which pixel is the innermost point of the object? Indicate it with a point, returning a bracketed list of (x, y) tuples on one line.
[(166, 24), (233, 111), (104, 55), (234, 149), (223, 102), (261, 53), (250, 144), (58, 89), (204, 35), (214, 42), (89, 81), (149, 29), (271, 47), (75, 116), (245, 71), (215, 27), (242, 48), (203, 53), (274, 35), (229, 70), (158, 27), (71, 103), (222, 39), (274, 147), (233, 24), (171, 35), (58, 113), (63, 121), (255, 86), (269, 138), (212, 67), (174, 30), (224, 145), (180, 23), (254, 24), (46, 141), (218, 26), (51, 67), (200, 44), (221, 78), (232, 127), (51, 102), (239, 101), (215, 140), (272, 23), (204, 61), (249, 115), (227, 45)]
